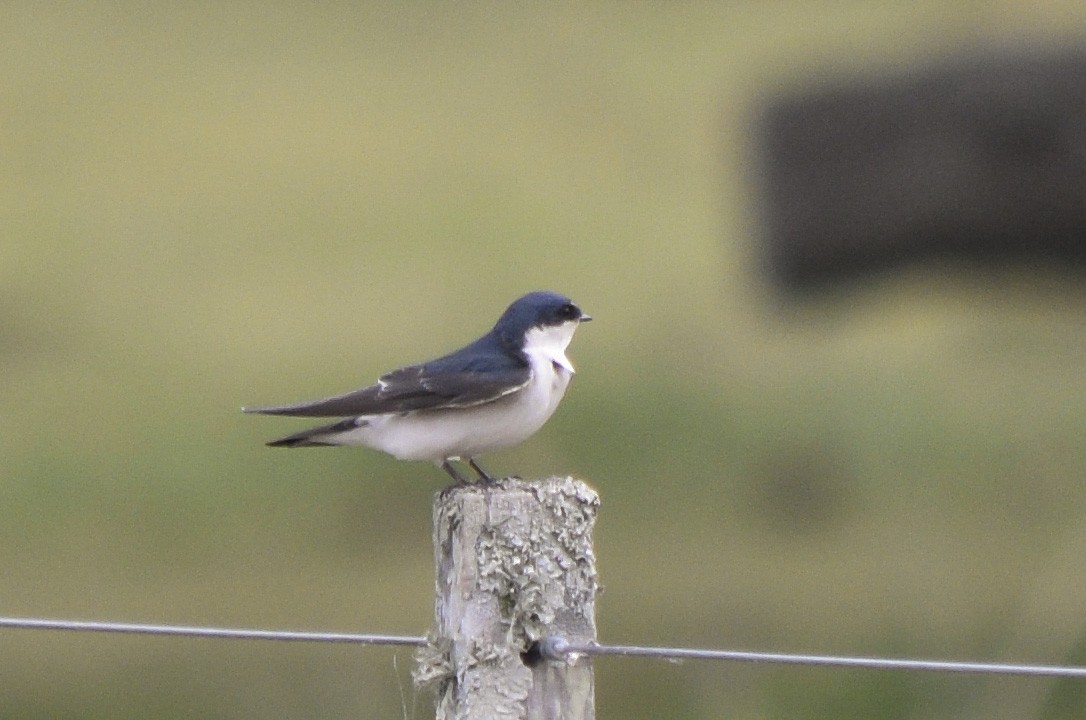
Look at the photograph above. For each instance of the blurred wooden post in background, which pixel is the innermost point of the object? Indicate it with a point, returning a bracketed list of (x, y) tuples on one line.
[(514, 564)]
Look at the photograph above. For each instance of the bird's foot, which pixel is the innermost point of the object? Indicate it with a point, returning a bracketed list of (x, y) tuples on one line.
[(484, 477), (449, 468)]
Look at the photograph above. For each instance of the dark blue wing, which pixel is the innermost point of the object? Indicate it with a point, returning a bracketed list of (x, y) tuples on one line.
[(475, 375)]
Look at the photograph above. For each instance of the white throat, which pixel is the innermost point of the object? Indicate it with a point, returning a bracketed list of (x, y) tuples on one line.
[(550, 343)]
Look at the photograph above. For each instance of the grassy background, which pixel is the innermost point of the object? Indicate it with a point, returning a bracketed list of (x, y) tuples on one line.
[(206, 205)]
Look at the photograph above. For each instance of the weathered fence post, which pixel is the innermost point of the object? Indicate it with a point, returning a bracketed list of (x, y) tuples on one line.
[(514, 564)]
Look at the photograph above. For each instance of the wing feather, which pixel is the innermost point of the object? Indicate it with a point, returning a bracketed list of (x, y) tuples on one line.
[(412, 388)]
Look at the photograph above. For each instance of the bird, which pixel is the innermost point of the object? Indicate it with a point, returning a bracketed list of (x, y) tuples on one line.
[(490, 394)]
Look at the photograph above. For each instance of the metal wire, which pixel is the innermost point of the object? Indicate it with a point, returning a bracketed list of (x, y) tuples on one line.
[(557, 648), (210, 632)]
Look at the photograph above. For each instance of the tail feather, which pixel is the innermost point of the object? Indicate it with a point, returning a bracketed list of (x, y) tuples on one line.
[(319, 436)]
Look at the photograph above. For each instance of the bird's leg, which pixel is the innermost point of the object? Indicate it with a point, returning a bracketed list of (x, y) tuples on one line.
[(483, 474), (448, 467)]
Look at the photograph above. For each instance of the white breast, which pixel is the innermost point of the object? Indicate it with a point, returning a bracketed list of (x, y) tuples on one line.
[(436, 435)]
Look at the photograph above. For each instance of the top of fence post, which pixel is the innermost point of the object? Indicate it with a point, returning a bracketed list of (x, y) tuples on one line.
[(514, 564)]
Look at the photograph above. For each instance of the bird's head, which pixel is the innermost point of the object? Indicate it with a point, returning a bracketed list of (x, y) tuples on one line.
[(540, 317)]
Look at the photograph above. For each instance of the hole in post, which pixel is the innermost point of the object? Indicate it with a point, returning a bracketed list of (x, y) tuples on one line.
[(532, 656)]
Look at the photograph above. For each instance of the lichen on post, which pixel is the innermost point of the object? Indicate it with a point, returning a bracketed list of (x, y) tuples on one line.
[(514, 564)]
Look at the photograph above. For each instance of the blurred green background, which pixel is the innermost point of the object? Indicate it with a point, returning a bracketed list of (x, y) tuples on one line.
[(206, 205)]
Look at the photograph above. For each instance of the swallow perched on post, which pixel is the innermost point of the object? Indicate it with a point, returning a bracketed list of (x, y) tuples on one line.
[(488, 395)]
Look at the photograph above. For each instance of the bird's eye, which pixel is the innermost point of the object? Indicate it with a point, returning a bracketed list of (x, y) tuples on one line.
[(568, 311)]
